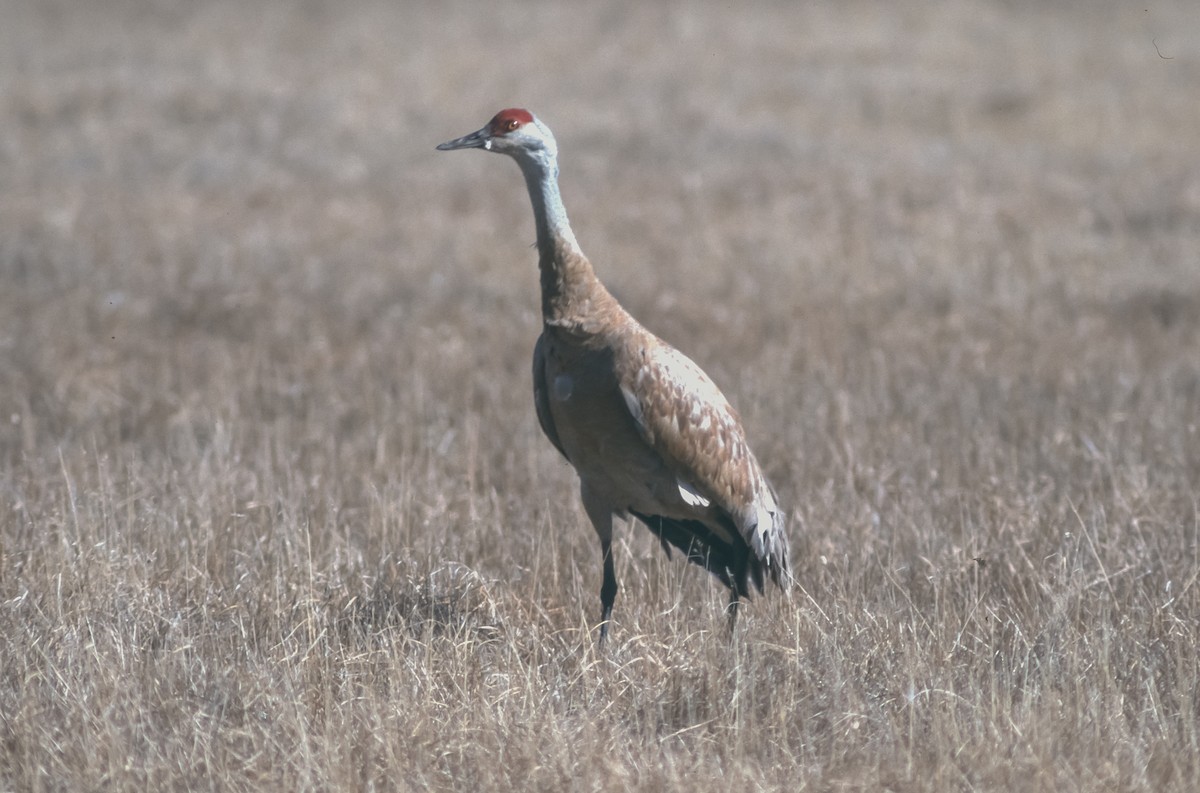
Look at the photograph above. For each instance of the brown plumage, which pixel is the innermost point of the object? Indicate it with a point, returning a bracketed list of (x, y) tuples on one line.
[(650, 435)]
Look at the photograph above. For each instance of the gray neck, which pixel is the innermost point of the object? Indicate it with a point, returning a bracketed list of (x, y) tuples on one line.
[(541, 177)]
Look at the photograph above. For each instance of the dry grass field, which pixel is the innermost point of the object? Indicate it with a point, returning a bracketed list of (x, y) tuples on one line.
[(275, 513)]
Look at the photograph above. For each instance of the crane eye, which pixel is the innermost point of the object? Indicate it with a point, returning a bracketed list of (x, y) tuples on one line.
[(511, 124)]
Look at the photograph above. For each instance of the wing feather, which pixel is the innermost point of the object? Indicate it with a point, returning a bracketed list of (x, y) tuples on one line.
[(541, 395), (685, 418)]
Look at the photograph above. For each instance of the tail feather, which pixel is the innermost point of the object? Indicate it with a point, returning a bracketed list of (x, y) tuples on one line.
[(733, 567)]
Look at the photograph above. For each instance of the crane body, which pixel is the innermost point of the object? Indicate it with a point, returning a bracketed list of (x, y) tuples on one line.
[(649, 433)]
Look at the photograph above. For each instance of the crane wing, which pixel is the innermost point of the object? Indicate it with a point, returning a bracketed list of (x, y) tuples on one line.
[(686, 419), (541, 397)]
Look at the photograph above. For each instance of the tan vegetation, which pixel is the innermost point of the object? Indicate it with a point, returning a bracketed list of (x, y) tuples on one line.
[(275, 513)]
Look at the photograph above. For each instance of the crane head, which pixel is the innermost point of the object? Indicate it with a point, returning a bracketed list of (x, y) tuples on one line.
[(514, 131)]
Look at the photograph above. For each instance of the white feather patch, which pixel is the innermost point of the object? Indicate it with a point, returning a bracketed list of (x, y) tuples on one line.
[(635, 407), (690, 496)]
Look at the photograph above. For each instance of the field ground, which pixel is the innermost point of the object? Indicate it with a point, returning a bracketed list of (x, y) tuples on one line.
[(275, 513)]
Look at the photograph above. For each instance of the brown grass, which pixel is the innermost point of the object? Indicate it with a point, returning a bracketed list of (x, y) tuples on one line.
[(275, 511)]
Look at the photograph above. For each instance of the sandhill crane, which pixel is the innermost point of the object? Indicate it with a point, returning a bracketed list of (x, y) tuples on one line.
[(648, 432)]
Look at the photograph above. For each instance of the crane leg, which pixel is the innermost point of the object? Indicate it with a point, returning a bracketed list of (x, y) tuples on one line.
[(600, 513), (608, 590), (739, 584), (732, 610)]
